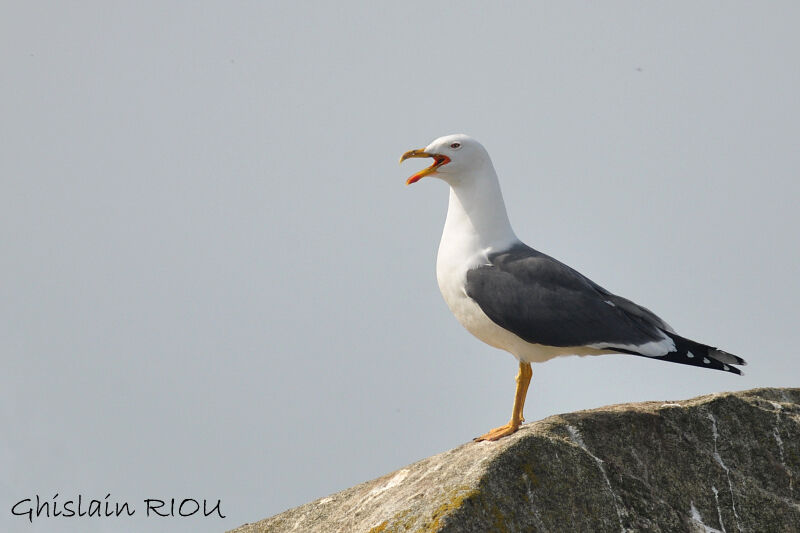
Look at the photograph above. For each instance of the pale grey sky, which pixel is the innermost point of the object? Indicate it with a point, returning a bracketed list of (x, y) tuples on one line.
[(216, 284)]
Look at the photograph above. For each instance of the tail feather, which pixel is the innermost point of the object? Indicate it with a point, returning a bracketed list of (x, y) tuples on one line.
[(689, 352)]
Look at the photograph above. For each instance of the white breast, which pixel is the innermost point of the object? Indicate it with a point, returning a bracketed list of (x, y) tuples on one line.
[(451, 275), (477, 226)]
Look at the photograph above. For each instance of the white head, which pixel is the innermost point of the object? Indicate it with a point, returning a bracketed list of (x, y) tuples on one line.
[(455, 157)]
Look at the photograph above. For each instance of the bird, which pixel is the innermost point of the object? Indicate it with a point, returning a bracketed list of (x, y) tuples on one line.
[(520, 300)]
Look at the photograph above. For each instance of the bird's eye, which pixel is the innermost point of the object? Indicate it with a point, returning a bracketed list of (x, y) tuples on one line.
[(455, 146)]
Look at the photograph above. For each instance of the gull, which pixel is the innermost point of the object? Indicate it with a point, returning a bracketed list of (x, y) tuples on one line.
[(520, 300)]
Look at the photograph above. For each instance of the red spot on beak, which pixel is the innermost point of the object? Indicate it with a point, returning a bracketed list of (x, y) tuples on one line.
[(438, 161)]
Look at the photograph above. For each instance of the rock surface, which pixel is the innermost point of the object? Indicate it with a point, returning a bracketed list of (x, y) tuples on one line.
[(724, 462)]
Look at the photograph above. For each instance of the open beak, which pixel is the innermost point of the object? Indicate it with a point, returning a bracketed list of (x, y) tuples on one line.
[(438, 160)]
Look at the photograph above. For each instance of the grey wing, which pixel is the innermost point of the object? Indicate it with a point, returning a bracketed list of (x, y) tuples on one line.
[(546, 302), (633, 308)]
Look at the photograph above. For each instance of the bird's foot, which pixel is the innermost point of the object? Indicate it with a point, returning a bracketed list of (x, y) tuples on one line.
[(499, 433)]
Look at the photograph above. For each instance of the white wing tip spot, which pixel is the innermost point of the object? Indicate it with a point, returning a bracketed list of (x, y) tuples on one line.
[(689, 354), (725, 367), (706, 361)]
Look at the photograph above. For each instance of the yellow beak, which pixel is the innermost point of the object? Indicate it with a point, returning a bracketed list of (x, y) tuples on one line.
[(439, 160)]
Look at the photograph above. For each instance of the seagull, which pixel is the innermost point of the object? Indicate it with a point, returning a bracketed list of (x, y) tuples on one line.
[(520, 300)]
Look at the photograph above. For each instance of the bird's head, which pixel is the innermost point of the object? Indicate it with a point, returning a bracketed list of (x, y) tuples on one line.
[(453, 156)]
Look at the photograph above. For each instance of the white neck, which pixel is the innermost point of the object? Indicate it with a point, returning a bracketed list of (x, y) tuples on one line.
[(477, 222)]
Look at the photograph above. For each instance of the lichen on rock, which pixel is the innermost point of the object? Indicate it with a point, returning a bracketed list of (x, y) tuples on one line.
[(722, 462)]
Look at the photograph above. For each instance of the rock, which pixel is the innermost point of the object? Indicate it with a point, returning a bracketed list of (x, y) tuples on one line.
[(723, 462)]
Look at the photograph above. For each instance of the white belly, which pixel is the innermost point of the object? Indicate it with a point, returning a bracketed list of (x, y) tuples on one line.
[(472, 317), (477, 226)]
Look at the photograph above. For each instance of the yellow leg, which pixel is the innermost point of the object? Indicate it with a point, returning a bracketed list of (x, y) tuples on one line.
[(523, 380)]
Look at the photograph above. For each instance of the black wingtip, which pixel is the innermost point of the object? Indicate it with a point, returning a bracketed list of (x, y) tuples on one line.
[(689, 352), (725, 357)]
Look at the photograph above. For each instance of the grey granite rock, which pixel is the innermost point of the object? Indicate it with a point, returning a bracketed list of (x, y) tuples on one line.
[(724, 462)]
